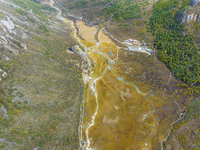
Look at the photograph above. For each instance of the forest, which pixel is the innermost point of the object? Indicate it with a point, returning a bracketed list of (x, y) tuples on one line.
[(175, 49), (124, 10)]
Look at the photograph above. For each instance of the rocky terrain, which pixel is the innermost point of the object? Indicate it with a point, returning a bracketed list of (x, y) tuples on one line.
[(41, 80)]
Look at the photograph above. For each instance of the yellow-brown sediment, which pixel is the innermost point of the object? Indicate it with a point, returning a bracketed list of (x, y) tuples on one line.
[(103, 37), (85, 31), (121, 121)]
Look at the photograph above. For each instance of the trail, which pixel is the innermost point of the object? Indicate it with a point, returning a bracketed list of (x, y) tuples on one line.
[(169, 78), (180, 117), (86, 144), (113, 37), (109, 20)]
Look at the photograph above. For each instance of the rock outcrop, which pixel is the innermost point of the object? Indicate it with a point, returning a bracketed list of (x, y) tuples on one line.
[(9, 25), (6, 27), (188, 18), (191, 15), (194, 2)]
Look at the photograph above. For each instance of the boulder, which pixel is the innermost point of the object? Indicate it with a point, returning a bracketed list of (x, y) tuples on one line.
[(23, 45)]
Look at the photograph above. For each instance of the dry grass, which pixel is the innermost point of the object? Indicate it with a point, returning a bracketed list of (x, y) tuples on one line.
[(118, 101), (109, 49), (120, 130), (100, 64), (85, 31), (103, 37), (125, 95)]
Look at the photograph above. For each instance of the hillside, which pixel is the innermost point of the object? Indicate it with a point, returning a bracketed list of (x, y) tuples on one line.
[(41, 87), (120, 17), (175, 48)]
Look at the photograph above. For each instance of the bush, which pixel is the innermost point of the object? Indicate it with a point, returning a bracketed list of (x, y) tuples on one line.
[(21, 11), (31, 19), (42, 27)]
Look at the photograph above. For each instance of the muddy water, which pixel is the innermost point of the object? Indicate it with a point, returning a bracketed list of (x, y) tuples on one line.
[(116, 113)]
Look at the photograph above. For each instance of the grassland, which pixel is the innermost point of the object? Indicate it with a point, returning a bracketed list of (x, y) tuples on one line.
[(36, 8), (103, 37), (135, 86), (115, 109), (114, 116), (85, 31), (151, 96)]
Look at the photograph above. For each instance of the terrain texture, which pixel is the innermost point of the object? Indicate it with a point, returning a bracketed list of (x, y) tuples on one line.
[(69, 81)]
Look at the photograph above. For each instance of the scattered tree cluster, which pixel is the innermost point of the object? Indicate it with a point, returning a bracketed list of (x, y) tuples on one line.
[(37, 8), (124, 10)]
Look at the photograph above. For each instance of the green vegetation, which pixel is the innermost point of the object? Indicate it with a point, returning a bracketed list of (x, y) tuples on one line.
[(124, 10), (193, 110), (100, 3), (121, 10), (37, 8), (80, 4), (36, 1), (84, 4), (176, 50), (21, 11), (43, 28), (31, 19)]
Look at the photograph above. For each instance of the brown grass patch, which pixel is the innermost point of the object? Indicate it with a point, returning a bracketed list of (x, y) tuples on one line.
[(85, 31), (103, 37)]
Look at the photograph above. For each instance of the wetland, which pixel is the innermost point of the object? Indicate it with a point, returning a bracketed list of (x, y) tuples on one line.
[(131, 99)]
